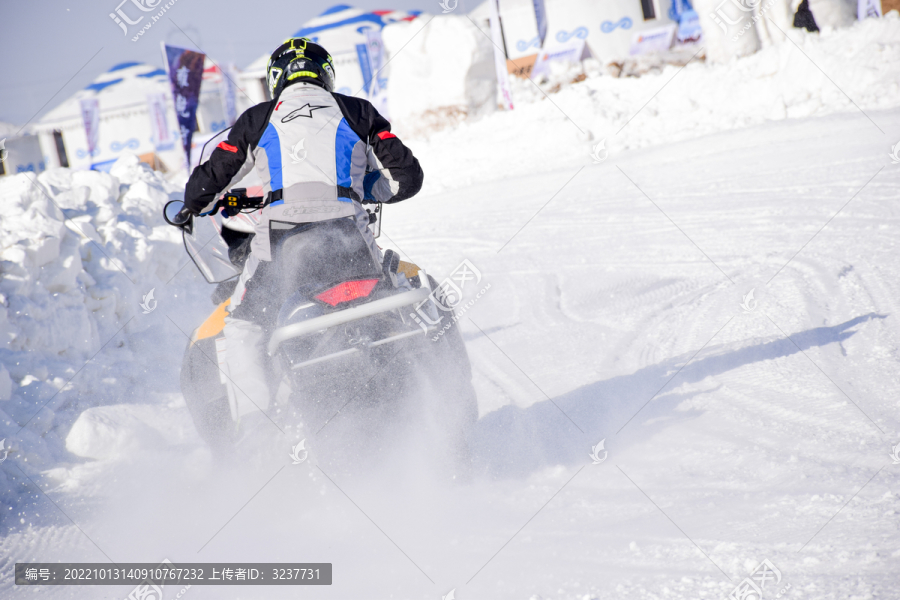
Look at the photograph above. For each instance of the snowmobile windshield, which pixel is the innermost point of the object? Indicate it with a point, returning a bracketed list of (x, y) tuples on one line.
[(209, 251), (252, 178), (211, 144)]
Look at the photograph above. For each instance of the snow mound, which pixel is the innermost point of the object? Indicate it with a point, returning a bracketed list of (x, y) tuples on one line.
[(73, 244), (78, 252), (567, 115), (121, 431)]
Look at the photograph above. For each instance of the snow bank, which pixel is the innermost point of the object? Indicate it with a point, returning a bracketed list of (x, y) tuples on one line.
[(441, 70), (670, 104), (73, 246), (78, 250)]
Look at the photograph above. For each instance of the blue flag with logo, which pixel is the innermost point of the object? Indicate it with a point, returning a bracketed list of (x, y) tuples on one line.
[(540, 17), (185, 75)]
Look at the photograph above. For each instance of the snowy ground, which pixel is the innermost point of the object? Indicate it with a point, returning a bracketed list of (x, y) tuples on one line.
[(734, 434)]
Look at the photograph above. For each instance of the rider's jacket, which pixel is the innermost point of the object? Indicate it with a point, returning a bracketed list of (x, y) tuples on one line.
[(312, 150)]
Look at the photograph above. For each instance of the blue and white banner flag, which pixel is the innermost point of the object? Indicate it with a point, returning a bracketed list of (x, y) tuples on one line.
[(160, 133), (229, 93), (540, 16), (185, 75), (90, 115)]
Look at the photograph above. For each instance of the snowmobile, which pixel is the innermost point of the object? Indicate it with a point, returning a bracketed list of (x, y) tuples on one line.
[(340, 328)]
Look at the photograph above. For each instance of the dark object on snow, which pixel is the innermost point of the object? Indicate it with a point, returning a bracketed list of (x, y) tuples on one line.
[(804, 18)]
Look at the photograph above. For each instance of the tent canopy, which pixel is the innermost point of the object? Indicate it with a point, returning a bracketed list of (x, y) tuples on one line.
[(124, 86), (339, 29), (342, 15)]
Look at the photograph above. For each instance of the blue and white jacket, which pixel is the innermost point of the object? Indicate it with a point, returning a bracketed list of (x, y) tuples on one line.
[(312, 150)]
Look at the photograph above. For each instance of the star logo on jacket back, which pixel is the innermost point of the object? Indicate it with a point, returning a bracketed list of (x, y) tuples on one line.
[(304, 111)]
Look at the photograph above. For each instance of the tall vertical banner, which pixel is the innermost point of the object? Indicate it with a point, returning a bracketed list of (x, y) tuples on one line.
[(365, 66), (500, 57), (90, 115), (540, 17), (378, 87), (185, 75), (160, 134), (228, 90)]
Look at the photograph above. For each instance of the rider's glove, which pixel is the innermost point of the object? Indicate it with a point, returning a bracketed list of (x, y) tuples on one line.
[(183, 218)]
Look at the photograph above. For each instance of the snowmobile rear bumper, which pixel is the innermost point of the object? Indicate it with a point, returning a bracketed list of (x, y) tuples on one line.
[(348, 315), (360, 348)]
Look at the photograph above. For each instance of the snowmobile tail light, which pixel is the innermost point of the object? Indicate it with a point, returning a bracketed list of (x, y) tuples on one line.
[(347, 291)]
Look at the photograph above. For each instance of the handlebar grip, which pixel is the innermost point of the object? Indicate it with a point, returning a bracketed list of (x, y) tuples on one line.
[(236, 200)]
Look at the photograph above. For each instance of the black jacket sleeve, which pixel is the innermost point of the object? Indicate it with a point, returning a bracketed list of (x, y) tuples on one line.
[(230, 158), (400, 167)]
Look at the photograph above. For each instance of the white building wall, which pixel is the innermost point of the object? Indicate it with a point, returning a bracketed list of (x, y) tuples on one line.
[(608, 26)]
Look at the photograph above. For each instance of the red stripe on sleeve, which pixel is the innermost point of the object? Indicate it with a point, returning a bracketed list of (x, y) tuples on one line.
[(385, 135), (228, 147)]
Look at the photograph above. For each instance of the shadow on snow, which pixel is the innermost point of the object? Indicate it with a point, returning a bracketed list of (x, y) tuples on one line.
[(513, 441)]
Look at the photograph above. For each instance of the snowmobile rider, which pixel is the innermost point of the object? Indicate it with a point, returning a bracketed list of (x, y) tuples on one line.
[(319, 154)]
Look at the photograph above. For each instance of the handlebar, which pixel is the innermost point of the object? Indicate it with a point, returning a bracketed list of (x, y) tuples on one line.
[(232, 203), (237, 200)]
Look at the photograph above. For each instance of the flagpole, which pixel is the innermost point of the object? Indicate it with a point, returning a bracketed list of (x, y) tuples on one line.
[(500, 56)]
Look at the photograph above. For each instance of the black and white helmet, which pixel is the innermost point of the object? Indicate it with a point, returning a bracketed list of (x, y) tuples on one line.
[(299, 59)]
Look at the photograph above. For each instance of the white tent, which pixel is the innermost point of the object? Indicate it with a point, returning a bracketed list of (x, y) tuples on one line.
[(343, 31), (125, 119), (20, 154)]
